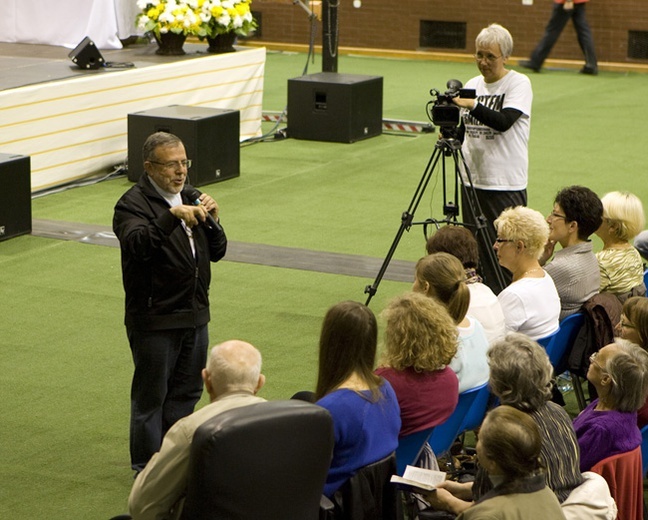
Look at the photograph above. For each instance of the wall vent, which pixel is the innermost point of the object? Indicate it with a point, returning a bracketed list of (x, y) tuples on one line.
[(638, 45), (444, 35)]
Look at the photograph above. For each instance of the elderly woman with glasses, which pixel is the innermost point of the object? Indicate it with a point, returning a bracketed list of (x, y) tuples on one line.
[(608, 426), (531, 304), (494, 131), (634, 327)]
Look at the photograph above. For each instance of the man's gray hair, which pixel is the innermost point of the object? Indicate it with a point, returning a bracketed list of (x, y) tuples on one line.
[(155, 140), (234, 365)]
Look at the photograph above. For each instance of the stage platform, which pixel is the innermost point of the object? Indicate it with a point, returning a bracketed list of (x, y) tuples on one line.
[(73, 122)]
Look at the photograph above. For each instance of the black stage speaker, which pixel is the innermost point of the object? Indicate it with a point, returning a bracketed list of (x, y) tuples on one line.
[(86, 55), (210, 137), (15, 195), (328, 106)]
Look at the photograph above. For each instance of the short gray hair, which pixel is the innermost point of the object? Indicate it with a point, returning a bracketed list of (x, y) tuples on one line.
[(155, 140), (234, 365), (520, 372), (628, 369), (495, 33)]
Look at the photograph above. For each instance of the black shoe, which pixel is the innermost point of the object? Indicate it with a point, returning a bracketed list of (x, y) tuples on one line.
[(588, 70), (528, 65)]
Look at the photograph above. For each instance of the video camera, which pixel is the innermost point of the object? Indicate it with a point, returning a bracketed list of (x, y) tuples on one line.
[(442, 111)]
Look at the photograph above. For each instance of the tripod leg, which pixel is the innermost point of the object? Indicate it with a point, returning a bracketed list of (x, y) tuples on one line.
[(406, 220)]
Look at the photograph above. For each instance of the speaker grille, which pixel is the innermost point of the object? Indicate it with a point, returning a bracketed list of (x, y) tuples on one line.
[(638, 45), (445, 35)]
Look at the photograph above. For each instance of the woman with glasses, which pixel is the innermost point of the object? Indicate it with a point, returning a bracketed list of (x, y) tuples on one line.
[(495, 132), (633, 326), (608, 426), (620, 263), (576, 214), (531, 304)]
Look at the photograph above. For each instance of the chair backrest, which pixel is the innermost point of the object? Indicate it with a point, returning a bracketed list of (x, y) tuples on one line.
[(646, 277), (444, 434), (562, 340), (410, 448), (644, 449), (543, 342), (369, 494), (625, 480), (266, 460), (477, 410)]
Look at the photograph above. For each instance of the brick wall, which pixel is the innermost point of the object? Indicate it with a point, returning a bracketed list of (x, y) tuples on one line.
[(379, 24)]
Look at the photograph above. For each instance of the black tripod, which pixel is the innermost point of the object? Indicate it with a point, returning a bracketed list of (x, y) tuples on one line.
[(445, 148)]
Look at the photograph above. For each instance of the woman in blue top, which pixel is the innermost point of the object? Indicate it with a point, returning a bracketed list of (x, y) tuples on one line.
[(366, 416)]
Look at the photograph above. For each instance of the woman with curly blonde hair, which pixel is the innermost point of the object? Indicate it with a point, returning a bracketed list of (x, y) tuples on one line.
[(420, 341), (530, 303)]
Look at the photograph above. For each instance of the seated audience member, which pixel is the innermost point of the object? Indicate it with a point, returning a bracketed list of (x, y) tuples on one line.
[(484, 306), (634, 327), (641, 244), (441, 276), (620, 263), (232, 378), (508, 448), (608, 425), (420, 341), (364, 407), (530, 303), (521, 377), (576, 214)]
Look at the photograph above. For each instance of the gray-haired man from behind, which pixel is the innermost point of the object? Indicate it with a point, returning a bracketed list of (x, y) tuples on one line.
[(232, 378)]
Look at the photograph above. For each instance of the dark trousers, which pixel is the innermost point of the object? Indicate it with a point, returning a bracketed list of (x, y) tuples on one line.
[(557, 22), (492, 203), (167, 384)]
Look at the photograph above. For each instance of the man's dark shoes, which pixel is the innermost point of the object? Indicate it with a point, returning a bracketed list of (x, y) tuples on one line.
[(588, 70), (528, 65)]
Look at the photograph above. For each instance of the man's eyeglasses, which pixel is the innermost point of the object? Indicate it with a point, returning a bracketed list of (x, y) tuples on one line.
[(553, 215), (490, 58), (174, 165), (503, 240)]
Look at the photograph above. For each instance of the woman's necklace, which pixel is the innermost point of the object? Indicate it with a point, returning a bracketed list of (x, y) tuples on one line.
[(528, 272)]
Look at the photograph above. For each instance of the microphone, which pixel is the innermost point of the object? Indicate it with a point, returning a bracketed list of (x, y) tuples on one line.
[(194, 196)]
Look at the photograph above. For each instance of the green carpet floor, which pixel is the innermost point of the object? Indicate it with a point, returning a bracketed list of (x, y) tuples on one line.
[(64, 358)]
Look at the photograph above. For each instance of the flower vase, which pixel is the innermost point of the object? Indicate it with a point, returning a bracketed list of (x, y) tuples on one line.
[(170, 44), (222, 43)]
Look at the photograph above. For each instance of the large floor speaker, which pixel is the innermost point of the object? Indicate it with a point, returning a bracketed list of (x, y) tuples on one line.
[(210, 137), (15, 195), (328, 106)]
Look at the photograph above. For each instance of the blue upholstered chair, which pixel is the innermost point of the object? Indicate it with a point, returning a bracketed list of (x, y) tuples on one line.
[(410, 448), (444, 434)]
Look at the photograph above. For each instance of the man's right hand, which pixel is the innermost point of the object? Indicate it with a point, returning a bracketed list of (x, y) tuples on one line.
[(190, 215)]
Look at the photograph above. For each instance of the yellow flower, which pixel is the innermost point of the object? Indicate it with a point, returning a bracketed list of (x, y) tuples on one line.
[(153, 13), (217, 11)]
